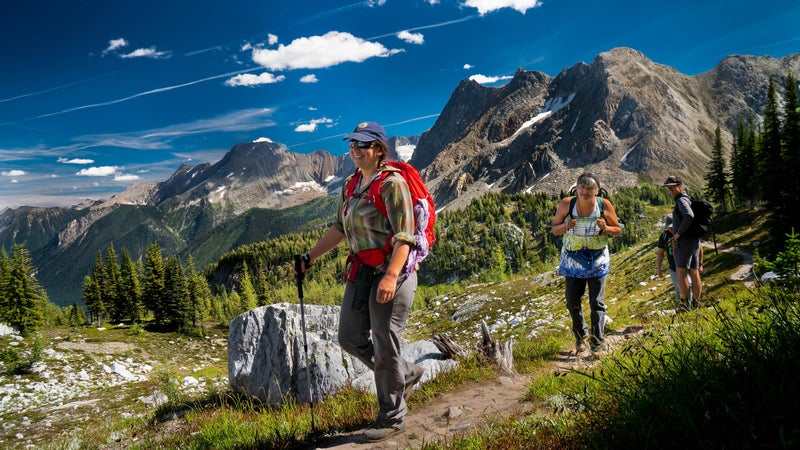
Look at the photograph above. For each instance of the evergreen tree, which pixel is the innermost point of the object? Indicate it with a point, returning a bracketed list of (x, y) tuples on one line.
[(24, 298), (153, 283), (176, 294), (199, 296), (247, 294), (111, 287), (5, 269), (743, 165), (130, 289), (790, 172), (716, 178), (94, 289), (769, 161)]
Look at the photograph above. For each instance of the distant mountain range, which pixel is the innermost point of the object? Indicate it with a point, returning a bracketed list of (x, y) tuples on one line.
[(622, 116)]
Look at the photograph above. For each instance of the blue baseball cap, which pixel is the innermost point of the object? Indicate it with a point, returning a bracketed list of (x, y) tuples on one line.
[(368, 132)]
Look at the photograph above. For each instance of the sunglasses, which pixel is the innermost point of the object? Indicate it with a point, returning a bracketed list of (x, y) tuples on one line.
[(361, 144)]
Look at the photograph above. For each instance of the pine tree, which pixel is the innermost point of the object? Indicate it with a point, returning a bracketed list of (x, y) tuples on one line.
[(743, 165), (176, 294), (25, 300), (790, 176), (769, 161), (153, 283), (130, 289), (112, 285), (5, 269), (199, 296), (94, 291), (716, 178), (247, 294)]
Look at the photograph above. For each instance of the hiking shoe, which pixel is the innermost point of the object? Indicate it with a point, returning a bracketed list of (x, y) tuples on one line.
[(380, 431), (599, 349), (416, 374), (579, 344)]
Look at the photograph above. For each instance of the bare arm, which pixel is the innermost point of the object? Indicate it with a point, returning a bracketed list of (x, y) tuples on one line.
[(559, 225)]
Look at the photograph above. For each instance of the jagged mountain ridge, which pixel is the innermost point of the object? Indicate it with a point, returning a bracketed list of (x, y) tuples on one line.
[(621, 116)]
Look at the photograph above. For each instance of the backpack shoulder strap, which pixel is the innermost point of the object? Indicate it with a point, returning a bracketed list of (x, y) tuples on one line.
[(375, 193), (572, 202), (350, 184)]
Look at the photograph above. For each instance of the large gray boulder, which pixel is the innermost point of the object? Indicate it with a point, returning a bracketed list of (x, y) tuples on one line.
[(266, 358)]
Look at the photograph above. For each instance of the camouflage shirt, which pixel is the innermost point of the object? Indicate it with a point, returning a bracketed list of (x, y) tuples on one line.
[(364, 227)]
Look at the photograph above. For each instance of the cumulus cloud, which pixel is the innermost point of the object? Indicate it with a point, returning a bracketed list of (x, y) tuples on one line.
[(147, 53), (312, 126), (468, 66), (75, 161), (13, 173), (102, 171), (486, 6), (249, 79), (114, 45), (272, 39), (318, 52), (310, 78), (483, 79), (411, 38)]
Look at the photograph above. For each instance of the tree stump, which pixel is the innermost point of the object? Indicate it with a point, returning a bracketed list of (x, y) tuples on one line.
[(501, 354)]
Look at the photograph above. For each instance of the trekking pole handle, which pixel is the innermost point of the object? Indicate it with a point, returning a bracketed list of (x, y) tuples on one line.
[(300, 273)]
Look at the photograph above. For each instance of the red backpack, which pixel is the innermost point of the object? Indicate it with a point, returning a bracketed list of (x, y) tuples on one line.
[(424, 210)]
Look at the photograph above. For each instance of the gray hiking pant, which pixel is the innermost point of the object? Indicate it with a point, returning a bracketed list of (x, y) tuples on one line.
[(574, 290), (381, 351)]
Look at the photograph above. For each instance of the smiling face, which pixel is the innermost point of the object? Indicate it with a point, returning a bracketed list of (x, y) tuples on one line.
[(366, 155)]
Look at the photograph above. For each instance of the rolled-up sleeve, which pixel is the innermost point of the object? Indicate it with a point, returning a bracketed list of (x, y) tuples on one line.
[(399, 208)]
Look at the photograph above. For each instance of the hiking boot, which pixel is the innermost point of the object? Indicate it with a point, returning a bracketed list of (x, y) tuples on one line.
[(416, 374), (380, 431), (579, 344), (598, 349)]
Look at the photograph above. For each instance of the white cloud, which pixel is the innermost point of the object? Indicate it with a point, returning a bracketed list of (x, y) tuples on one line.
[(272, 39), (13, 173), (485, 6), (125, 177), (468, 66), (115, 44), (249, 79), (411, 38), (312, 126), (147, 53), (310, 78), (102, 171), (483, 79), (317, 52), (75, 161)]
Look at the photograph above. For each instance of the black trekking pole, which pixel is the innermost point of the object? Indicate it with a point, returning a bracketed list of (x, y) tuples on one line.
[(300, 275)]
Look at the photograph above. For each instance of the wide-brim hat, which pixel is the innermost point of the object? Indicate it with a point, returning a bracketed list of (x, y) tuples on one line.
[(368, 132), (672, 180)]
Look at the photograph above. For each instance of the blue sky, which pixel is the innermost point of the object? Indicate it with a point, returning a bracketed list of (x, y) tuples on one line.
[(95, 96)]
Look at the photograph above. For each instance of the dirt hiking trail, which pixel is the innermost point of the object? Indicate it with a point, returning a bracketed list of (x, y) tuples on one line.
[(471, 405)]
